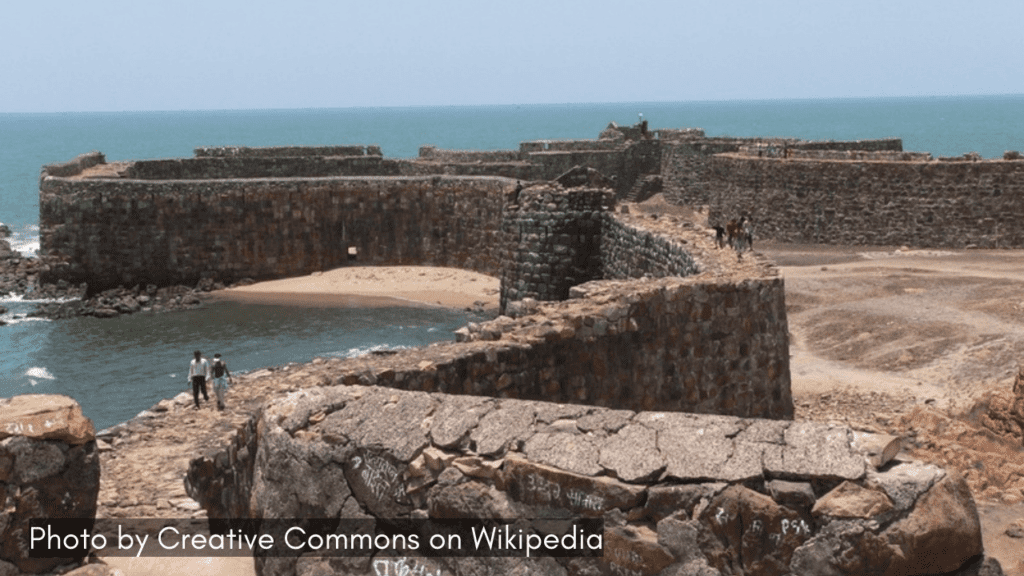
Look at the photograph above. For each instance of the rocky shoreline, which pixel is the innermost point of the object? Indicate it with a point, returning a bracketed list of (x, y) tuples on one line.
[(20, 277)]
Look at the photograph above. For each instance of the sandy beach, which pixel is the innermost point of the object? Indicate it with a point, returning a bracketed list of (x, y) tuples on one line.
[(366, 286)]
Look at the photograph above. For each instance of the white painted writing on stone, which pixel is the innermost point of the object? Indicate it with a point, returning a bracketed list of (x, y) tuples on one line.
[(581, 499), (542, 489), (797, 527), (402, 567), (380, 476)]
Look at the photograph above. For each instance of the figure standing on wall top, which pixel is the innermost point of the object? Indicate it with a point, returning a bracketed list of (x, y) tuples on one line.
[(514, 197), (198, 373)]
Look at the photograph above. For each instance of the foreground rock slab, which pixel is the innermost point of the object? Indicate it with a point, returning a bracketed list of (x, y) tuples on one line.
[(678, 493)]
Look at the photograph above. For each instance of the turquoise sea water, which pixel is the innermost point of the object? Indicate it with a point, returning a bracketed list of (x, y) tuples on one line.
[(117, 368)]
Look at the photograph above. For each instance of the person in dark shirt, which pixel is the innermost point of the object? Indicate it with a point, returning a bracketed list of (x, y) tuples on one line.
[(221, 379)]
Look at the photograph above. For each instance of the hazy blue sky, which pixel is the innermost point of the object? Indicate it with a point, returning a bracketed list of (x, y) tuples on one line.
[(218, 54)]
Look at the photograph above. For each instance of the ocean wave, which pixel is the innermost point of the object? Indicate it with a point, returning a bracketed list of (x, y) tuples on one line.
[(25, 240), (39, 372), (28, 248)]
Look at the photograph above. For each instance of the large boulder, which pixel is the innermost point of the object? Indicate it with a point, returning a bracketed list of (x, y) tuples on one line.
[(49, 468)]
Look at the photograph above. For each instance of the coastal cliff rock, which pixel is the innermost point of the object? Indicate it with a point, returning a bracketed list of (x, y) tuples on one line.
[(678, 493), (49, 468)]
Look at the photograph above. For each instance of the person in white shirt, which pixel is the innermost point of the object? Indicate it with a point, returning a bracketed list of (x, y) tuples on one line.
[(199, 373)]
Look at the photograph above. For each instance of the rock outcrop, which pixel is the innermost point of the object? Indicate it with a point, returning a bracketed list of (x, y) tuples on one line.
[(49, 468), (679, 493), (1003, 411)]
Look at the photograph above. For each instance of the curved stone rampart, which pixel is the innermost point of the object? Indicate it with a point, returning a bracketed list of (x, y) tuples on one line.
[(881, 202), (115, 231)]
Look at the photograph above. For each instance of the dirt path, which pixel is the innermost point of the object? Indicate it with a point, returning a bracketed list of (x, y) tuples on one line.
[(880, 334)]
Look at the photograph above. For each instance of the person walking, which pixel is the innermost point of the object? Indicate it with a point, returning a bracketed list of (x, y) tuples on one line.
[(221, 379), (199, 373)]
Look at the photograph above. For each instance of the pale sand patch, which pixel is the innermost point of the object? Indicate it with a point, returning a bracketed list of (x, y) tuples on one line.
[(367, 286), (231, 566)]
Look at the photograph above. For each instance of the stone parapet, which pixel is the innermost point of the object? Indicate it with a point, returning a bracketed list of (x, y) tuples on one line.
[(915, 203), (568, 145), (680, 494), (435, 154), (226, 167), (49, 468), (631, 249), (285, 151), (514, 170), (74, 167)]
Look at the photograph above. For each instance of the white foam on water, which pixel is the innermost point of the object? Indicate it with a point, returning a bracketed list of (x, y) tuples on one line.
[(25, 241), (16, 298), (39, 372), (361, 350), (11, 320), (28, 248)]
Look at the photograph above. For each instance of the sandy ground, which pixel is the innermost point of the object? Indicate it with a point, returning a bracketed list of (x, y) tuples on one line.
[(875, 333), (377, 286)]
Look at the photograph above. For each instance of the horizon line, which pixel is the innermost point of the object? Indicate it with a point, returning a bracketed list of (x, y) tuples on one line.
[(506, 105)]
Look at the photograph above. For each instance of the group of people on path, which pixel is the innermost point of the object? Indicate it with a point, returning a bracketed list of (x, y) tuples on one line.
[(739, 234), (201, 370)]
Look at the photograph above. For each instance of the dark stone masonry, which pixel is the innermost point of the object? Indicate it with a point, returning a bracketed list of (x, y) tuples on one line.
[(638, 373)]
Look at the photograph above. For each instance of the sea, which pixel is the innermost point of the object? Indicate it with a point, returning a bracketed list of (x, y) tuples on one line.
[(119, 367)]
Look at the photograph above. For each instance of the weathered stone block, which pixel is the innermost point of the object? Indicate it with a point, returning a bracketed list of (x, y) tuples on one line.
[(52, 470)]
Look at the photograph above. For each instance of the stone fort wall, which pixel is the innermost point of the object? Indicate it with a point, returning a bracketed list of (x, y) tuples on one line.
[(661, 321), (647, 313), (687, 159), (861, 198), (123, 231)]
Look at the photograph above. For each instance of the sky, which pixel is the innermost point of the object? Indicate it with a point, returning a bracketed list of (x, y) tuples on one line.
[(113, 55)]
